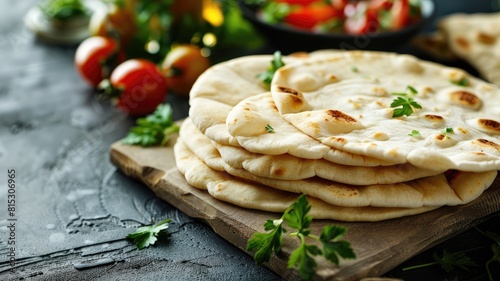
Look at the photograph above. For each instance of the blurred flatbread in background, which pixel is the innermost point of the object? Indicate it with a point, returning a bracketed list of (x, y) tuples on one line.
[(435, 45), (475, 38)]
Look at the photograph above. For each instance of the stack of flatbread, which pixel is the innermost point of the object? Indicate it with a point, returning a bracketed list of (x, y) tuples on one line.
[(325, 128), (474, 38)]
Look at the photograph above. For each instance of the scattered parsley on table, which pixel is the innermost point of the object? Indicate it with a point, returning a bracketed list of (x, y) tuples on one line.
[(302, 258), (154, 129)]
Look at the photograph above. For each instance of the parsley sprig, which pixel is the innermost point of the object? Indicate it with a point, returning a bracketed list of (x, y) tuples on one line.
[(448, 261), (153, 129), (267, 76), (404, 104), (147, 235), (302, 258), (495, 248)]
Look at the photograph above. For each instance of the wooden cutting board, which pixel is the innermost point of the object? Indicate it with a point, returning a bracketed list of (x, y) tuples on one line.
[(379, 246)]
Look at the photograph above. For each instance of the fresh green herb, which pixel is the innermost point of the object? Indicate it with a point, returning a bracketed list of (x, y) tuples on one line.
[(404, 106), (447, 131), (274, 12), (415, 8), (63, 9), (448, 261), (385, 19), (255, 2), (464, 82), (269, 129), (147, 235), (494, 236), (414, 133), (153, 129), (354, 69), (277, 62), (412, 90), (302, 258), (333, 25), (495, 248), (409, 88)]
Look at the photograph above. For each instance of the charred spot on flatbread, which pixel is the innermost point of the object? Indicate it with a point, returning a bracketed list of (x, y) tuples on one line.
[(485, 38), (462, 43), (340, 116), (487, 144), (288, 90), (489, 125), (434, 118), (465, 99)]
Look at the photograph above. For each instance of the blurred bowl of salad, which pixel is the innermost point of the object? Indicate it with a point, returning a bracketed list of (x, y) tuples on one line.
[(307, 25)]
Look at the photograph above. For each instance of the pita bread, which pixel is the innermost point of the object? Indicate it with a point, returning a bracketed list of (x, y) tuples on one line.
[(247, 121), (352, 112), (476, 39), (370, 169), (436, 45), (288, 167), (224, 85), (224, 187), (429, 191)]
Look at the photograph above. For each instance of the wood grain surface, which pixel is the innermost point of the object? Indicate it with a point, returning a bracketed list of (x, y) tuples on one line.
[(379, 246)]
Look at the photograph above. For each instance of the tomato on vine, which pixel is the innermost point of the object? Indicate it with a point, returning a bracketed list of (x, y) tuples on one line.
[(182, 66), (137, 85), (95, 58)]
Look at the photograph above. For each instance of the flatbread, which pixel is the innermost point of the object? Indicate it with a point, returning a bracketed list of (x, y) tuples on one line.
[(224, 85), (224, 187), (350, 110), (225, 149), (289, 167), (436, 45), (476, 39), (439, 190), (247, 120)]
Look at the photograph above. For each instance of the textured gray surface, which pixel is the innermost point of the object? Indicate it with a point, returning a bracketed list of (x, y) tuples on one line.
[(73, 207)]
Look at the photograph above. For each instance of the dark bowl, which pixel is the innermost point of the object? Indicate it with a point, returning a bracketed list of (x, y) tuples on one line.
[(288, 39)]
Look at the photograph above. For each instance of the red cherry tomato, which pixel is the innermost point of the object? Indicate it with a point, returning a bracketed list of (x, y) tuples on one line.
[(94, 58), (141, 86), (182, 66), (309, 16), (400, 12)]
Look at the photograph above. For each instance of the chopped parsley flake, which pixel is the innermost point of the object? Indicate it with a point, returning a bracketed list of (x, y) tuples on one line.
[(269, 129), (464, 82), (411, 89), (414, 133)]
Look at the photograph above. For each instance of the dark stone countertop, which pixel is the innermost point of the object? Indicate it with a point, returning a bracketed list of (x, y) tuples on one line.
[(73, 207)]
